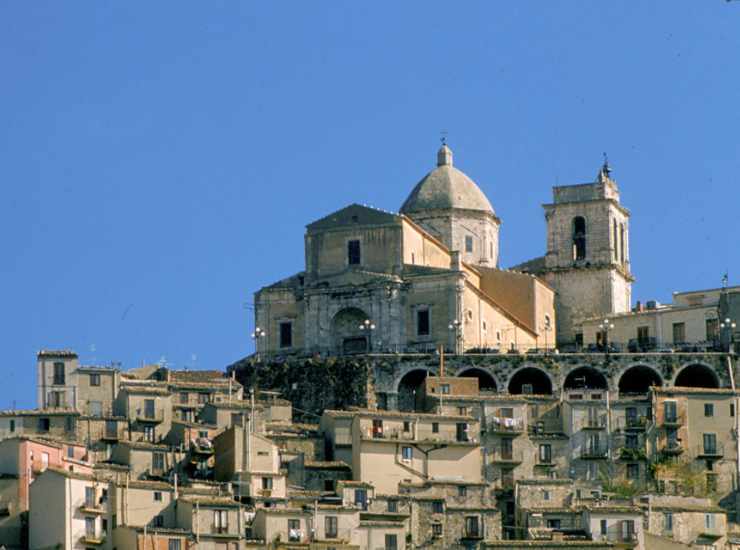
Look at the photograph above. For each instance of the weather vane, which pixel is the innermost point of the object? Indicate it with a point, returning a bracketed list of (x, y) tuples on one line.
[(443, 137)]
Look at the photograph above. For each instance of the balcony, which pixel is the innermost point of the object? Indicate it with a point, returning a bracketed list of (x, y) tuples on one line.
[(674, 420), (710, 451), (593, 452), (507, 456), (634, 423), (93, 539), (219, 529), (632, 453), (505, 426), (92, 508), (594, 423), (671, 448), (110, 435), (149, 417)]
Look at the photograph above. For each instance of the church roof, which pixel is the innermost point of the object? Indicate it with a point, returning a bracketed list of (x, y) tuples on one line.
[(354, 214), (446, 187)]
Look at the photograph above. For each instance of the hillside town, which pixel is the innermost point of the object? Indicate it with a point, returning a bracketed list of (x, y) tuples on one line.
[(406, 392)]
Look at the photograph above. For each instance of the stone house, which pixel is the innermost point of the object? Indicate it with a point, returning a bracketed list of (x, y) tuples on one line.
[(617, 523), (687, 520), (148, 406), (140, 503), (146, 460), (214, 521)]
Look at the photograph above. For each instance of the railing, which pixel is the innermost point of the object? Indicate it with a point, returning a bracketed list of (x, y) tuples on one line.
[(219, 529), (707, 451), (156, 415), (591, 423), (593, 452), (504, 425), (673, 419), (506, 456), (632, 423), (671, 447)]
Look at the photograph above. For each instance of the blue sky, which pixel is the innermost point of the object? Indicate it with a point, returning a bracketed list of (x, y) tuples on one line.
[(160, 160)]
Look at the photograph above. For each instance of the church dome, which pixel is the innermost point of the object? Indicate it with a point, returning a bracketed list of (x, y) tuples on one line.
[(446, 187)]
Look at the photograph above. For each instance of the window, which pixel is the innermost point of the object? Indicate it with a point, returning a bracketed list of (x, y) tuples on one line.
[(58, 374), (438, 507), (710, 443), (330, 526), (709, 521), (158, 521), (173, 544), (445, 389), (679, 333), (461, 429), (149, 408), (220, 521), (96, 408), (545, 453), (393, 506), (604, 527), (286, 334), (90, 497), (732, 409), (579, 238), (545, 494), (643, 335), (462, 491), (158, 462), (712, 329), (44, 424), (435, 427), (70, 452), (621, 243), (507, 448), (267, 483), (708, 409), (406, 454), (472, 527), (462, 411), (94, 379), (203, 398), (468, 243), (377, 428), (631, 441), (149, 434), (633, 472), (616, 240), (69, 424), (436, 529), (484, 326), (422, 322), (158, 496), (668, 521), (553, 523), (90, 527), (12, 425), (406, 426), (628, 530), (391, 542), (361, 498), (329, 485), (670, 413), (353, 252), (104, 525), (294, 530)]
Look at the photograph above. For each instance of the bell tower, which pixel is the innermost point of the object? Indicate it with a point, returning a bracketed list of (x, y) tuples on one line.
[(587, 259)]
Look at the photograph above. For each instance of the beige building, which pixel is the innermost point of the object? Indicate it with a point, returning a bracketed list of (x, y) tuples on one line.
[(427, 276), (694, 522), (389, 448), (691, 321)]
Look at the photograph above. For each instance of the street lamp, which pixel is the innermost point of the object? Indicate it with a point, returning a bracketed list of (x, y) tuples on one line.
[(730, 325), (367, 326), (257, 335), (547, 328), (456, 326), (605, 326)]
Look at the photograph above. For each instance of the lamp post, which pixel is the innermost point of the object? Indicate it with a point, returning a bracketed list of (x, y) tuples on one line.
[(257, 335), (367, 326), (730, 325), (547, 328), (605, 326), (456, 327)]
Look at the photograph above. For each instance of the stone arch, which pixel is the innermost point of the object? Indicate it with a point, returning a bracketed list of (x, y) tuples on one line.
[(346, 335), (585, 377), (409, 389), (486, 380), (538, 379), (697, 375), (638, 379)]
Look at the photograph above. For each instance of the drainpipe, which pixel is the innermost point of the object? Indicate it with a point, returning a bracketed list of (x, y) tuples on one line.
[(737, 419), (197, 523)]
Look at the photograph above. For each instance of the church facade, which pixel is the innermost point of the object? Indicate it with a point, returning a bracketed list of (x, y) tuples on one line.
[(408, 281)]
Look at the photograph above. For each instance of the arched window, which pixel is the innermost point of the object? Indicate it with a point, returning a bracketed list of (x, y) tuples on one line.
[(621, 242), (579, 238)]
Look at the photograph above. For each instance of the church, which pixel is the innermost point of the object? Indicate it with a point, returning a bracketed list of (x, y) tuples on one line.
[(428, 276)]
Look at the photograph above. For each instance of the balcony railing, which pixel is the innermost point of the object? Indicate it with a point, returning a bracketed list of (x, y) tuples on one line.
[(155, 417), (504, 425), (671, 448), (710, 451), (632, 423), (591, 452), (507, 456), (219, 529), (591, 423), (674, 419), (93, 539)]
